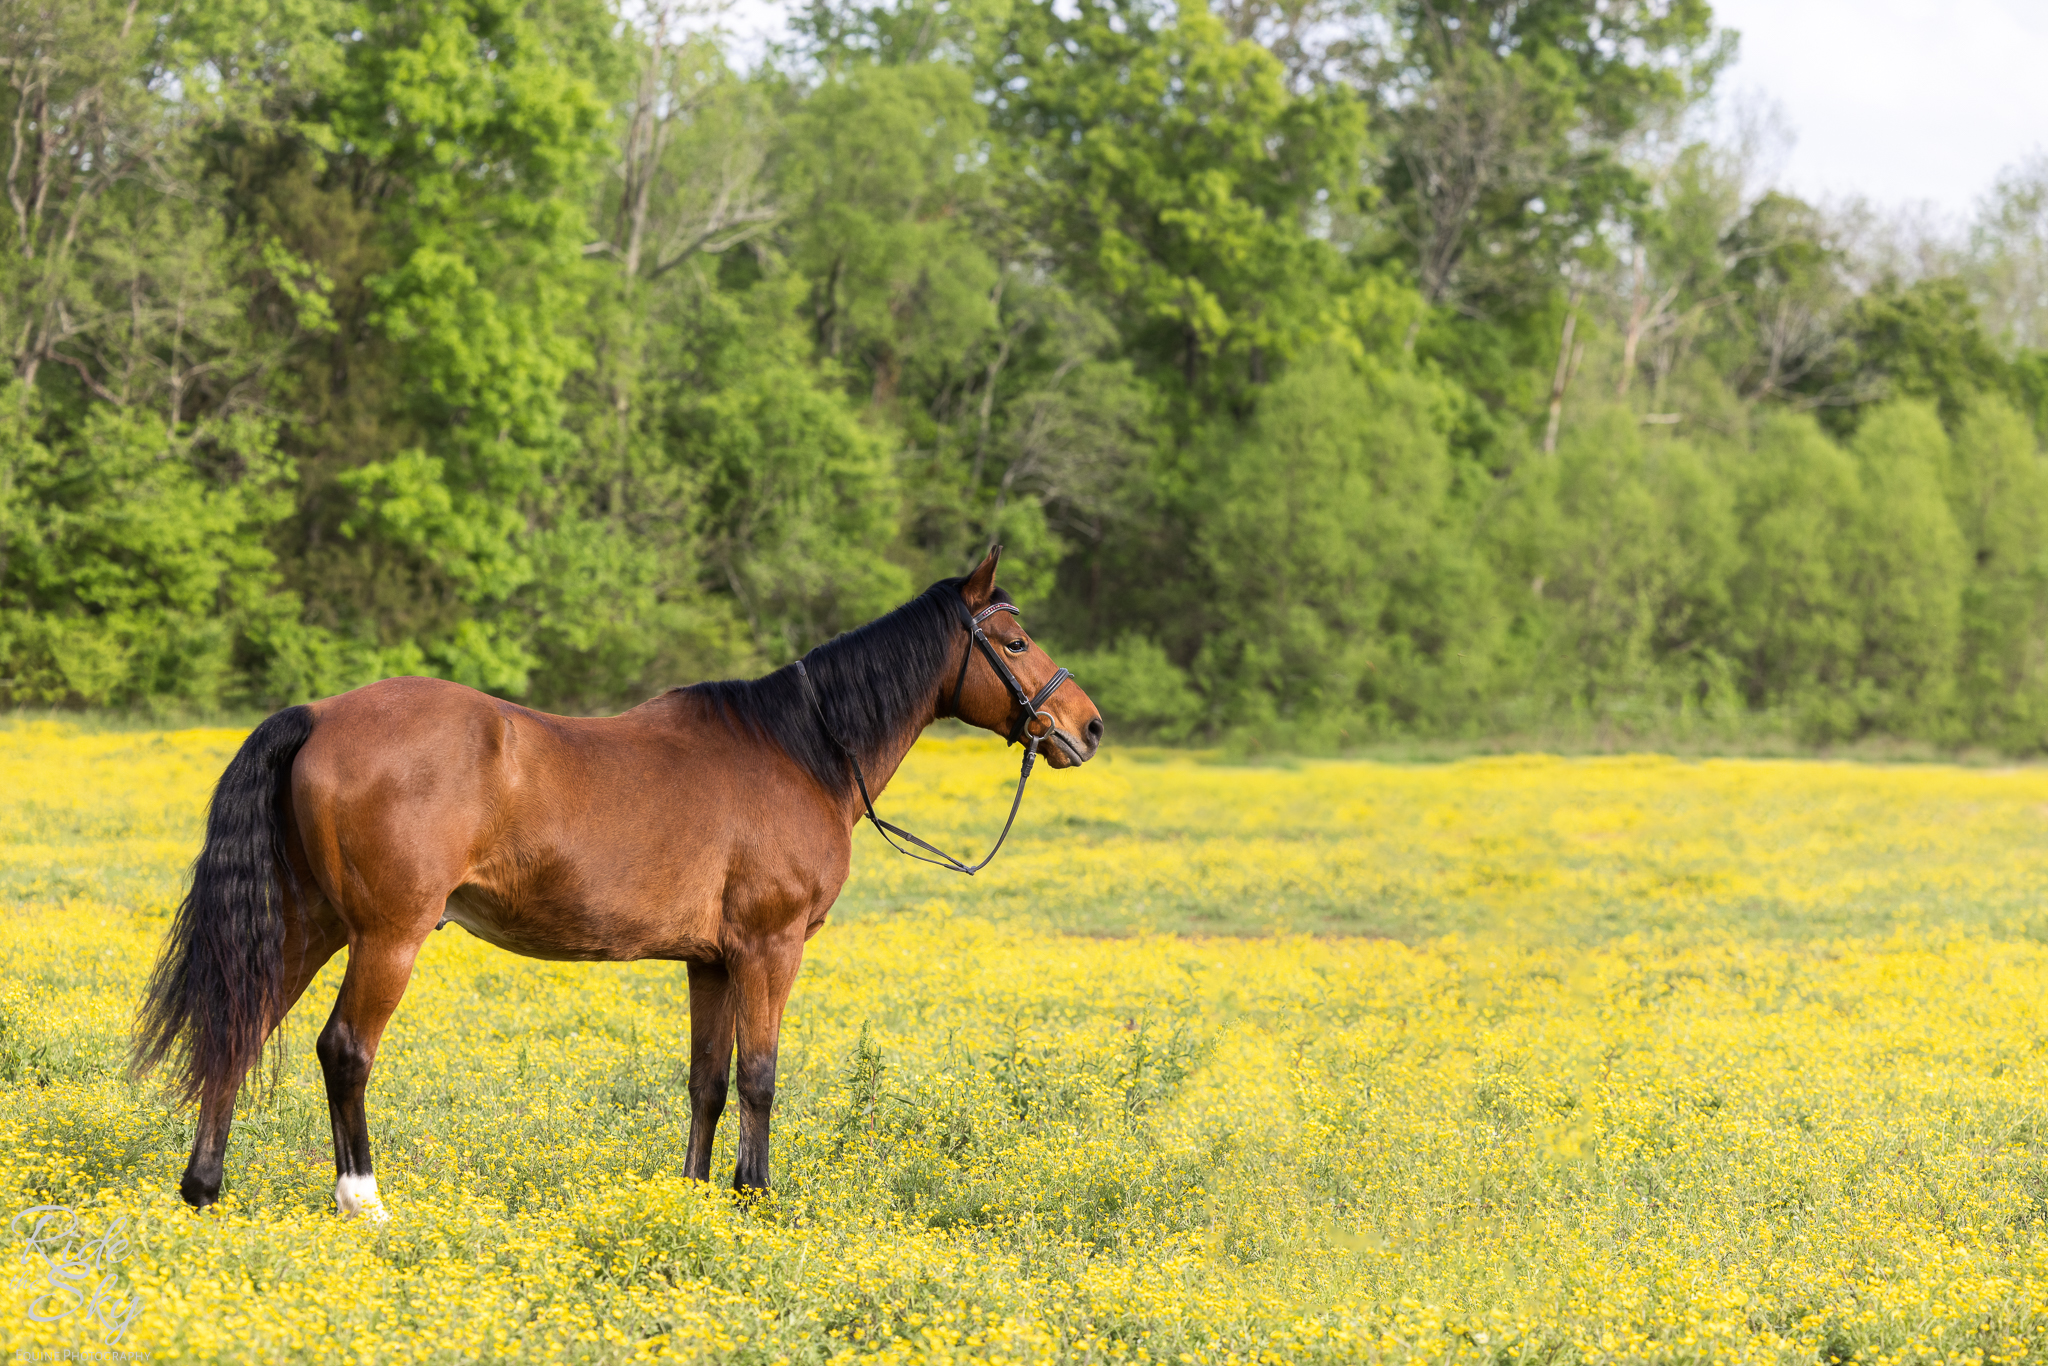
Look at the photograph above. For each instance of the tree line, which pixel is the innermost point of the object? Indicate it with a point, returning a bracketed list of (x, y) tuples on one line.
[(1330, 369)]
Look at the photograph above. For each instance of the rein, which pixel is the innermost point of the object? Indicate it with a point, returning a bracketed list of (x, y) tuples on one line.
[(1031, 708)]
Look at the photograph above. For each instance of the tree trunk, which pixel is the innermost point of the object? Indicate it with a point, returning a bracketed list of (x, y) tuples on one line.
[(1563, 375)]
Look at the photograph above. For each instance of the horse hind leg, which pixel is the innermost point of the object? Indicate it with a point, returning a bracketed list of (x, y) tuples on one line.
[(378, 970), (312, 936)]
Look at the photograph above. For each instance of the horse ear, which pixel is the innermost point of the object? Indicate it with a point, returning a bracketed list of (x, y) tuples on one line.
[(981, 584)]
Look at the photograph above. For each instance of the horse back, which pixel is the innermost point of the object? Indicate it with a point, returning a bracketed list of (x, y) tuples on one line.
[(660, 833)]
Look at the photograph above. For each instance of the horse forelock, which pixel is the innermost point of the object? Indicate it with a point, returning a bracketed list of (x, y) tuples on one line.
[(874, 683)]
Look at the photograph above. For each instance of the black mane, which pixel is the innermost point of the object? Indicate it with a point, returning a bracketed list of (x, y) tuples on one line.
[(872, 682)]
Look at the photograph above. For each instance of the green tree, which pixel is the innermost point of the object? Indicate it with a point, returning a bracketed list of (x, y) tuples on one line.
[(463, 138), (1924, 341), (1998, 491), (795, 495), (1173, 174), (138, 451), (1336, 592), (1786, 335), (1635, 582), (1796, 634), (1505, 122), (1907, 569)]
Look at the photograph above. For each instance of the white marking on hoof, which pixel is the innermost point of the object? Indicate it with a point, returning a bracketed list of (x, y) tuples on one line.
[(355, 1195)]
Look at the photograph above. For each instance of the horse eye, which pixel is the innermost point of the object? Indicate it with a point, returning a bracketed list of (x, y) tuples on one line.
[(1018, 647)]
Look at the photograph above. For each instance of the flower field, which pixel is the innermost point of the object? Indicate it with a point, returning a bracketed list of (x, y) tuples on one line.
[(1502, 1060)]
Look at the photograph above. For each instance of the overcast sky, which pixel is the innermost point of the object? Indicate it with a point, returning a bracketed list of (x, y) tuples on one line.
[(1899, 100)]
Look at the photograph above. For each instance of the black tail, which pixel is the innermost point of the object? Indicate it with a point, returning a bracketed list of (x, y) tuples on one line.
[(217, 986)]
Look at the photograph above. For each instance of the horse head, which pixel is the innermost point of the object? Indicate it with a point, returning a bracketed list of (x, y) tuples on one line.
[(1007, 684)]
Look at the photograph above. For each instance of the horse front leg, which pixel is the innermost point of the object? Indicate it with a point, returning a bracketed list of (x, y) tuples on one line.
[(711, 1027), (762, 977), (378, 971)]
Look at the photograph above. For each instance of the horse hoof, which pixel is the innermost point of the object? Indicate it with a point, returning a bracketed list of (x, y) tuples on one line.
[(197, 1194), (355, 1195)]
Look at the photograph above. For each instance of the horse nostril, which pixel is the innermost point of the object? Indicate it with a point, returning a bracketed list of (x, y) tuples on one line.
[(1094, 729)]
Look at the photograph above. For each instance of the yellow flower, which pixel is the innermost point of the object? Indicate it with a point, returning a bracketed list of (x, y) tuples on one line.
[(1499, 1060)]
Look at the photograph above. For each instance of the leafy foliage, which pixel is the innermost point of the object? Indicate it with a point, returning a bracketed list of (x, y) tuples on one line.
[(1330, 374)]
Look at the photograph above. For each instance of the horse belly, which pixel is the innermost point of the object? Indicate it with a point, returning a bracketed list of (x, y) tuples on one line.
[(586, 934)]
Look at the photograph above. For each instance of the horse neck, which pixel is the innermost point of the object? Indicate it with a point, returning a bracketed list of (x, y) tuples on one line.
[(890, 757)]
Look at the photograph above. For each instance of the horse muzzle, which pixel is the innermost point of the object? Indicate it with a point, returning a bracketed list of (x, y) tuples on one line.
[(1069, 751)]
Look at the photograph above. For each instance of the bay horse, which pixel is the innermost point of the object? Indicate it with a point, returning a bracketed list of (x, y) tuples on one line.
[(713, 824)]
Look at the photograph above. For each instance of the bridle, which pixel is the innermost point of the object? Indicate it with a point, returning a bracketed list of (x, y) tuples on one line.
[(1031, 706), (1030, 709)]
